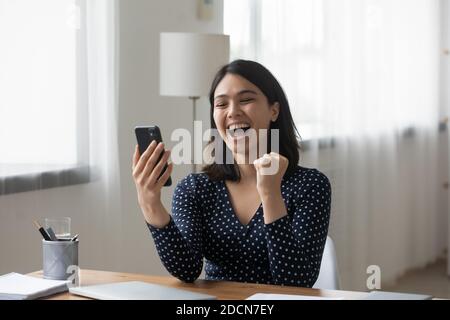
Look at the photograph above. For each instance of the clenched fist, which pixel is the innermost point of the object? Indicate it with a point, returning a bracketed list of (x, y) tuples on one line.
[(270, 170)]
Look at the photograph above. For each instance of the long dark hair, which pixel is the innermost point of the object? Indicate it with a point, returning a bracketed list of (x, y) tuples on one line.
[(268, 84)]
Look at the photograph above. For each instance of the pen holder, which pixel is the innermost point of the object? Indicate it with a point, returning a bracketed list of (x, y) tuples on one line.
[(57, 257)]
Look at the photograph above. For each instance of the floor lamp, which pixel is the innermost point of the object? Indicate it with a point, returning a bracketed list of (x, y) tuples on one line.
[(188, 63)]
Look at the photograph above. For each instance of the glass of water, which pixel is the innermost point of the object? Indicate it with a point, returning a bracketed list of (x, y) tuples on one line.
[(60, 226)]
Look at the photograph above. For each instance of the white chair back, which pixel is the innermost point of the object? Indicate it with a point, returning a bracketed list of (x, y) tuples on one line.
[(328, 275)]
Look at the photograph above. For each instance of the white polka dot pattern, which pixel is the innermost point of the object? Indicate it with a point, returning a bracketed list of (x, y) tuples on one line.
[(204, 226)]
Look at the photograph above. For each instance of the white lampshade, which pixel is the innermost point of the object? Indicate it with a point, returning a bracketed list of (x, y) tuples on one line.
[(189, 61)]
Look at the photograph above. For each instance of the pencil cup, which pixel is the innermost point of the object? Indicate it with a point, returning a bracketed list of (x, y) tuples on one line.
[(57, 257)]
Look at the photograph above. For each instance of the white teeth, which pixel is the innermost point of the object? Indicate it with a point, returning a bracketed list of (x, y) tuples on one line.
[(238, 129), (238, 126)]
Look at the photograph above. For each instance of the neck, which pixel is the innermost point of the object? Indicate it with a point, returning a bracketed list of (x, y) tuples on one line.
[(248, 172)]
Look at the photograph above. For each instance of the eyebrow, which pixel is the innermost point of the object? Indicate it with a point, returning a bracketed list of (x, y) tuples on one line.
[(239, 93)]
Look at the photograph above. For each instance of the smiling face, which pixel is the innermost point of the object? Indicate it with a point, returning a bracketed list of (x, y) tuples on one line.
[(239, 105)]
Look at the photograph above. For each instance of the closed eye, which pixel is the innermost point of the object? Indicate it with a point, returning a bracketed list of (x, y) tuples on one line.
[(221, 105), (247, 100)]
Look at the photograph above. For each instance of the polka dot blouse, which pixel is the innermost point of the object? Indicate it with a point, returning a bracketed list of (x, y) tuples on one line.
[(204, 227)]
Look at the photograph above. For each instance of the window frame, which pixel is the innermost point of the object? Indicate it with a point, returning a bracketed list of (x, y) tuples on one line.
[(80, 172)]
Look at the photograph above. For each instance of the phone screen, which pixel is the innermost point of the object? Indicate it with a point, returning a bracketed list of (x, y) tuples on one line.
[(145, 135)]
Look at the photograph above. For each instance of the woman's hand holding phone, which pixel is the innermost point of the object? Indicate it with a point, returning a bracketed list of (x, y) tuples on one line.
[(146, 170)]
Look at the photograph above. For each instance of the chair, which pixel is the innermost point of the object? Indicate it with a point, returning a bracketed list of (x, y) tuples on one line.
[(328, 274)]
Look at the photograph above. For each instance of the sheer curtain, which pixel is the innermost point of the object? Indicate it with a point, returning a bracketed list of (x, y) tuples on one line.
[(59, 73), (101, 54), (362, 80)]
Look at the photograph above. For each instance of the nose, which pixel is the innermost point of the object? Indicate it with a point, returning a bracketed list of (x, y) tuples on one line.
[(234, 110)]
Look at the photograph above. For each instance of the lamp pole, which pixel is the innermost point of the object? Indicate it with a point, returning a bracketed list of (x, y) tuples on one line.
[(194, 116)]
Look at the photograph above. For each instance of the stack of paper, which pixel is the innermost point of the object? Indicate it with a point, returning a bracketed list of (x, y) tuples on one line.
[(276, 296), (15, 286)]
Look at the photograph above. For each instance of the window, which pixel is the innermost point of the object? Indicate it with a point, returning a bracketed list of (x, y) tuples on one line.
[(42, 116), (287, 37), (349, 68)]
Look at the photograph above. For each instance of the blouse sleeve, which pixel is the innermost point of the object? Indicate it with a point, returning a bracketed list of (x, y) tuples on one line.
[(296, 242), (179, 244)]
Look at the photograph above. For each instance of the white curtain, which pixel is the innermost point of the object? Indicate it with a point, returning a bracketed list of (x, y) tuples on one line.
[(102, 100), (68, 97), (362, 79)]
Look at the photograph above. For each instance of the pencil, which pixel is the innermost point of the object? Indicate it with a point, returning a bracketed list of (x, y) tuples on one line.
[(42, 231)]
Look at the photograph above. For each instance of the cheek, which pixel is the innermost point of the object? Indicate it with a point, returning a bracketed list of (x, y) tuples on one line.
[(218, 119), (260, 119)]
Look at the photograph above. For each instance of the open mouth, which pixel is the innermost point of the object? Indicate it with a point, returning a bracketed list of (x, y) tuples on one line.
[(237, 130)]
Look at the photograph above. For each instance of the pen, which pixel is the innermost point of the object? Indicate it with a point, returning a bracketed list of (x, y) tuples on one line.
[(42, 231), (51, 234)]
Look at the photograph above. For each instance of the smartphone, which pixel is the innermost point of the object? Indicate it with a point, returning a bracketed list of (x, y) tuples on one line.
[(145, 135)]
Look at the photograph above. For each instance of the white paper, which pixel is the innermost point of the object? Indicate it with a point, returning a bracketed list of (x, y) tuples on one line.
[(17, 286), (275, 296)]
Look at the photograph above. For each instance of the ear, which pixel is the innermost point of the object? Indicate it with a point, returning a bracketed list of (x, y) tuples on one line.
[(275, 110)]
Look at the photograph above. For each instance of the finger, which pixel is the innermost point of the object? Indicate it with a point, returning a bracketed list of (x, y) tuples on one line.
[(144, 157), (153, 160), (262, 161), (165, 176), (159, 168), (151, 147), (282, 158), (278, 156), (256, 164), (135, 157), (265, 160), (272, 166)]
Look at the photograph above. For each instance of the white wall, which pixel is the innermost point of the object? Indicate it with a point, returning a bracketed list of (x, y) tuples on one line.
[(141, 21)]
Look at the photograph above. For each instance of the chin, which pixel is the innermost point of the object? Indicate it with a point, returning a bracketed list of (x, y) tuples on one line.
[(244, 153)]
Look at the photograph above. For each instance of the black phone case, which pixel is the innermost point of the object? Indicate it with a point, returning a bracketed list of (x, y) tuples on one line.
[(145, 136)]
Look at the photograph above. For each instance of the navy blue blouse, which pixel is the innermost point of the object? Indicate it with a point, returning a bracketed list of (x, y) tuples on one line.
[(287, 251)]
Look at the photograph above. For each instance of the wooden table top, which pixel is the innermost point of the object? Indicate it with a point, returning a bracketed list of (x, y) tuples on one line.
[(223, 290)]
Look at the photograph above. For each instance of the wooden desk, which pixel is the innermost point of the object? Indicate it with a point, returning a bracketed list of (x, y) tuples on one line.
[(223, 290)]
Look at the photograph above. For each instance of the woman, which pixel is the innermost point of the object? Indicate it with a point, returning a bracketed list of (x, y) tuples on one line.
[(249, 226)]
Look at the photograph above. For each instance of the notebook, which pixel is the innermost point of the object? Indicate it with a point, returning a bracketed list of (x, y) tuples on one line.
[(137, 290), (16, 286), (384, 295)]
